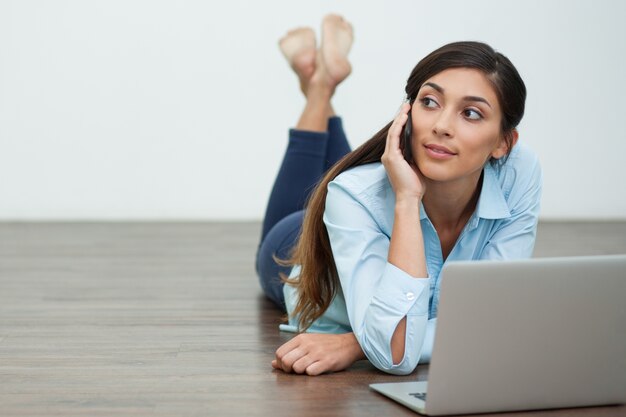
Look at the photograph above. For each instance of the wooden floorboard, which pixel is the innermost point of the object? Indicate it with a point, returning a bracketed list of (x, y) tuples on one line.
[(167, 319)]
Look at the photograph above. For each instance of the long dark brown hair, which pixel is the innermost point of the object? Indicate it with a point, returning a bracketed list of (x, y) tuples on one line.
[(318, 280)]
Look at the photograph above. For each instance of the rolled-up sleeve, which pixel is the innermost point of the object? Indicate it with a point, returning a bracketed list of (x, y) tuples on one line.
[(377, 294)]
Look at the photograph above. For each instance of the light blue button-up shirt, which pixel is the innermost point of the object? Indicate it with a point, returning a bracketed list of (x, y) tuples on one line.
[(375, 295)]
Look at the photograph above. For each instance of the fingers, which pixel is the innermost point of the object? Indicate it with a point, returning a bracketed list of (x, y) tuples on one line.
[(287, 347), (305, 365), (296, 356), (315, 354), (393, 135), (290, 358), (289, 354), (302, 365), (317, 368)]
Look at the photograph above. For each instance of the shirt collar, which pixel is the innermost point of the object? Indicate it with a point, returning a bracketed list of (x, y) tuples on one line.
[(491, 202), (423, 214)]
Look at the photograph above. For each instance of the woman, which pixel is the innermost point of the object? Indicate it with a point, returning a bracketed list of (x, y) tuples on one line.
[(379, 227)]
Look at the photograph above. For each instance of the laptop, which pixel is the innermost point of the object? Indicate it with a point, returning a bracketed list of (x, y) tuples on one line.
[(523, 335)]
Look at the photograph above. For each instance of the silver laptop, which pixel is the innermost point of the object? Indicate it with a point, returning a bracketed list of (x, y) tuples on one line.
[(522, 335)]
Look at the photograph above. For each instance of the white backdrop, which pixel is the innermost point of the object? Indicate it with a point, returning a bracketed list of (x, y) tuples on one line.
[(143, 109)]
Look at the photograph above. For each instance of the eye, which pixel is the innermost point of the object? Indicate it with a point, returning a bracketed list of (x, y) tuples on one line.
[(428, 102), (472, 114)]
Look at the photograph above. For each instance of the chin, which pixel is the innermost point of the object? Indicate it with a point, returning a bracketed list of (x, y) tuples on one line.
[(434, 171), (437, 173)]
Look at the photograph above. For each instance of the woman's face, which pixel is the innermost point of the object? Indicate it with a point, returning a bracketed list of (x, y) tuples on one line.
[(456, 125)]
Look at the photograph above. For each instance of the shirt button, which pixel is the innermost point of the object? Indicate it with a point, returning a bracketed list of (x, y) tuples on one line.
[(410, 296)]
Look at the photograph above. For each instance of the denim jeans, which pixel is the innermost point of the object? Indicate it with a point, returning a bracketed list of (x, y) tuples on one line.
[(308, 156)]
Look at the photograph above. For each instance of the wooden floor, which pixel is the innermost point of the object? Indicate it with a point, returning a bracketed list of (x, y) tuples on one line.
[(167, 319)]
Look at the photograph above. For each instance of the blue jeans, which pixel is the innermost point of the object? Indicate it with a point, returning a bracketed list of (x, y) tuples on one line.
[(309, 155)]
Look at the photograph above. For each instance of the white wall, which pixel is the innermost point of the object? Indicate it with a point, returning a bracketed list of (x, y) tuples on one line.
[(143, 109)]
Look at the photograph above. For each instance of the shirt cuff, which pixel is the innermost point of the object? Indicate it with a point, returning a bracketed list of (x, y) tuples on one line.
[(429, 341), (402, 294), (288, 328)]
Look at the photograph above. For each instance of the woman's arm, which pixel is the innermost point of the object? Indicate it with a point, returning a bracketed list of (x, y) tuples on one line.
[(386, 304), (381, 262), (406, 249)]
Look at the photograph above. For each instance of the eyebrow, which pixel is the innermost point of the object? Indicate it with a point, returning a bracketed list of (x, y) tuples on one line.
[(466, 98)]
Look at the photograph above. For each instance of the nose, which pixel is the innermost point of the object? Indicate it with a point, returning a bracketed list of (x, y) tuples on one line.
[(443, 125)]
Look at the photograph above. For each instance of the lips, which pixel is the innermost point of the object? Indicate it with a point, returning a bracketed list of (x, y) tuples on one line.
[(438, 149)]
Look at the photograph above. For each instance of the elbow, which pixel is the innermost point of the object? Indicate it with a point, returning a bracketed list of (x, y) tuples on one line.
[(403, 367), (382, 358)]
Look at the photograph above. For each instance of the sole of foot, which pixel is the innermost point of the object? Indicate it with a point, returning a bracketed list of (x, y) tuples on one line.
[(337, 38), (299, 49)]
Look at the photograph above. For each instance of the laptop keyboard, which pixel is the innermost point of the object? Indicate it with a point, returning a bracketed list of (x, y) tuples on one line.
[(418, 395)]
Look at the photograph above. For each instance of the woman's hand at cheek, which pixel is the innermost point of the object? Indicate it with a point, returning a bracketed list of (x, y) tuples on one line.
[(315, 354), (405, 178)]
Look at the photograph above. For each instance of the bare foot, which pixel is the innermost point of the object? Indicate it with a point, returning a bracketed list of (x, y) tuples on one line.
[(298, 47), (337, 39)]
